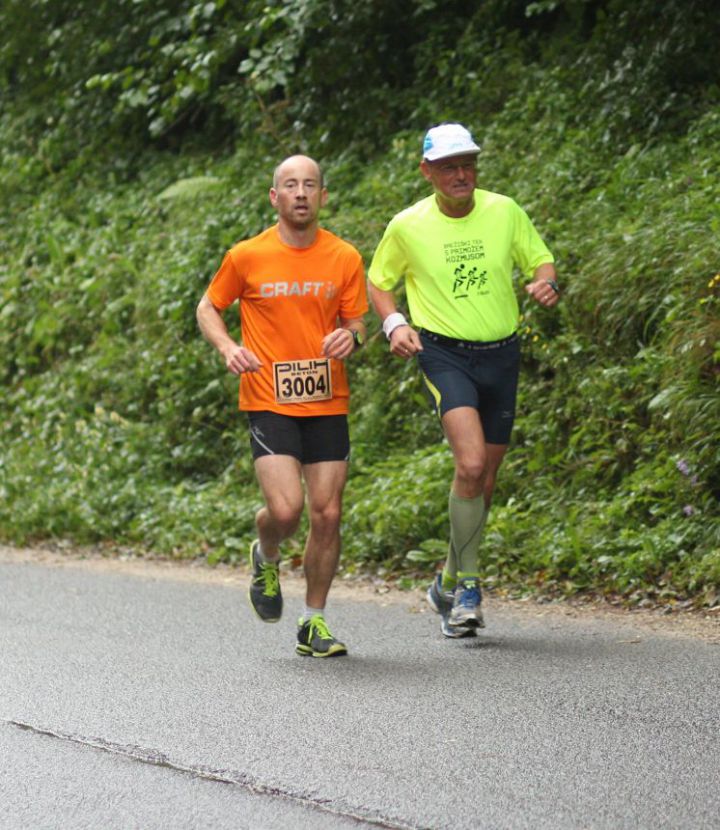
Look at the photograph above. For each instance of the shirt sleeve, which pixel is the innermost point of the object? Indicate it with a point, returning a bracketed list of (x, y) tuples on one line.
[(224, 287), (528, 249), (389, 263)]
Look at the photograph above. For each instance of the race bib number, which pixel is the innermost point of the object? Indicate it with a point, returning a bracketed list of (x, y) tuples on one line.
[(300, 381)]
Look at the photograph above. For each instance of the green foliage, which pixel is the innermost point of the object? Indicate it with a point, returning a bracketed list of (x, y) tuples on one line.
[(142, 67), (137, 142), (387, 513)]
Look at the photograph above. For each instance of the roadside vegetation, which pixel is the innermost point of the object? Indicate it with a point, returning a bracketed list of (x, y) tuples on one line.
[(137, 140)]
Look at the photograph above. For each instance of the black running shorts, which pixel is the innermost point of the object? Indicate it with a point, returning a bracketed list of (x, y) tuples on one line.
[(483, 376), (309, 439)]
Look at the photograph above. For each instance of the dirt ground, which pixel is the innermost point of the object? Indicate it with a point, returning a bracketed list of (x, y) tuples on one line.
[(704, 625)]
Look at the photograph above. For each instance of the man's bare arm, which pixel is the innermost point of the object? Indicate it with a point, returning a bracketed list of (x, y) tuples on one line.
[(404, 340), (237, 358)]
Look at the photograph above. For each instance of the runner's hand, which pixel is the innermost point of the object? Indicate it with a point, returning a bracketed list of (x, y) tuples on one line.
[(543, 292), (239, 360), (339, 344), (405, 342)]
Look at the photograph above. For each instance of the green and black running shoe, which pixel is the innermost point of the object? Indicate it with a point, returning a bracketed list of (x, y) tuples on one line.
[(264, 594), (315, 640)]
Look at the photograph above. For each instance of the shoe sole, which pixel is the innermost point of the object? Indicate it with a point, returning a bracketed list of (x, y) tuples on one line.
[(473, 619), (434, 605), (334, 651), (431, 602), (457, 632), (467, 622), (461, 633)]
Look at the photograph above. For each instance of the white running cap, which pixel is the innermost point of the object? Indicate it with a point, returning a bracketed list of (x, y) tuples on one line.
[(447, 140)]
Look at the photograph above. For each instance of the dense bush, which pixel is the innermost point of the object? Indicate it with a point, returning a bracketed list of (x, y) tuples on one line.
[(128, 167)]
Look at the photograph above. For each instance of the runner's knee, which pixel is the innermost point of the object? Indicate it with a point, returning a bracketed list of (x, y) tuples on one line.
[(284, 515), (326, 516), (471, 470)]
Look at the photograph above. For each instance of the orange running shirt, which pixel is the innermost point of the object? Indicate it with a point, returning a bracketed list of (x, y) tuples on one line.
[(290, 299)]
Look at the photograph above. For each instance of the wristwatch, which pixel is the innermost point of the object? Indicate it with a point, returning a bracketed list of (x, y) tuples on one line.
[(555, 287), (358, 339)]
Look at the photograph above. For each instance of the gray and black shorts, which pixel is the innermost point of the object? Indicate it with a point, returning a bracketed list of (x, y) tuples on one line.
[(481, 375)]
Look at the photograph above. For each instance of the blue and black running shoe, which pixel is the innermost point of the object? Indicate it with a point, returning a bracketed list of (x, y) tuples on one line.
[(466, 610), (441, 602)]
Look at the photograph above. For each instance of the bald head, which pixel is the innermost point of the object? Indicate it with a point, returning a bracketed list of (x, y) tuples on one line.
[(297, 195), (298, 164)]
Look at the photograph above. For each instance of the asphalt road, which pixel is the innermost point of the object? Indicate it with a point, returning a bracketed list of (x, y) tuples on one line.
[(148, 698)]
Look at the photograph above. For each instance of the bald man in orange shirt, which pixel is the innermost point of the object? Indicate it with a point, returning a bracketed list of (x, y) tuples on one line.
[(301, 294)]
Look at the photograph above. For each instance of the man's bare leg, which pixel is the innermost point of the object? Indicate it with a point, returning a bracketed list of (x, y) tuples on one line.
[(279, 477), (281, 485), (325, 483)]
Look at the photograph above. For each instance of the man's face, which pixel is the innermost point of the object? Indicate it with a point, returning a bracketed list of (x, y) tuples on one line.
[(453, 179), (297, 193)]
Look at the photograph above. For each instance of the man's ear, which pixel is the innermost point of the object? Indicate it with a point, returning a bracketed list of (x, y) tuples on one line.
[(425, 169), (323, 197), (273, 197)]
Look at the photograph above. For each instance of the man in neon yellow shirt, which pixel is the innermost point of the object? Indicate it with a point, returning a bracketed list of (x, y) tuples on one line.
[(456, 251)]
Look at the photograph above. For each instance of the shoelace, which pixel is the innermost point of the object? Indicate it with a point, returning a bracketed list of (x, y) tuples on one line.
[(318, 625), (270, 576)]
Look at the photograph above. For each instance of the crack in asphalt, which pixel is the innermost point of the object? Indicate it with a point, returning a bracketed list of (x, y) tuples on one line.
[(223, 776)]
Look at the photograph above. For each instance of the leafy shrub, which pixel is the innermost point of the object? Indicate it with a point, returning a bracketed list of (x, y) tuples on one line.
[(125, 173)]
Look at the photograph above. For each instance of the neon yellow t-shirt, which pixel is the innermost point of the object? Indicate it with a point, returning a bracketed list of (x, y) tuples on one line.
[(458, 272)]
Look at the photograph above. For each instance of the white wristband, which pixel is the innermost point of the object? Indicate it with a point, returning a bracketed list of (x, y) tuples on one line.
[(392, 321)]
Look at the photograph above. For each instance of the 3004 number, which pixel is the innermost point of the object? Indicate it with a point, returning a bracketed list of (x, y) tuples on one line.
[(303, 387)]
